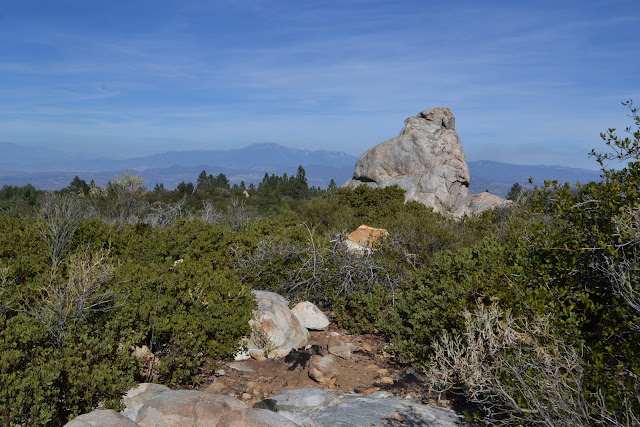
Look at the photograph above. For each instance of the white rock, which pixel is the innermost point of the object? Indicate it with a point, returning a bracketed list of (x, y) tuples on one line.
[(275, 329), (310, 316)]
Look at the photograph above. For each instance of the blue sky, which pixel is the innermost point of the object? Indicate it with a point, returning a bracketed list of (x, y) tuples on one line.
[(530, 84)]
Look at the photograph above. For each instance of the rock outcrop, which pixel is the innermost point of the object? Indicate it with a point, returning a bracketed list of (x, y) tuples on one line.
[(426, 160), (307, 407)]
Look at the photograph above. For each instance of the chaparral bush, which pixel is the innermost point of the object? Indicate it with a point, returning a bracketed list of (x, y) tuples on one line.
[(67, 330)]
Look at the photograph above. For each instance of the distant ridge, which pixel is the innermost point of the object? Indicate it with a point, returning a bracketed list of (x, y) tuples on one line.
[(253, 157), (498, 177), (51, 169)]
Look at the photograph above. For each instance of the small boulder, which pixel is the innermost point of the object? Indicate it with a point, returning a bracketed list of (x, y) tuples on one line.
[(310, 316), (342, 351), (324, 370), (275, 329), (101, 418), (363, 237), (240, 367)]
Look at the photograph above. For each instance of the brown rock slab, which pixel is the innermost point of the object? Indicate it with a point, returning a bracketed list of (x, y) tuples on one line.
[(364, 236), (386, 380)]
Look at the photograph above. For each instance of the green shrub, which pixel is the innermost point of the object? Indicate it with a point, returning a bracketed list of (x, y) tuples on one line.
[(362, 312), (47, 385), (433, 300), (370, 205)]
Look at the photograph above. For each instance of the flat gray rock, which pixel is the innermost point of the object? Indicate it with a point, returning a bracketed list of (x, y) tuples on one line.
[(355, 410), (239, 366), (308, 397)]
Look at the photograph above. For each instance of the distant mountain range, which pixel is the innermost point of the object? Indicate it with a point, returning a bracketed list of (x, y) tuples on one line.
[(53, 169), (498, 177)]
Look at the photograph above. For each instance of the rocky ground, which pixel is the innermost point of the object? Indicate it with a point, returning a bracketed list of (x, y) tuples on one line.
[(368, 370), (337, 380)]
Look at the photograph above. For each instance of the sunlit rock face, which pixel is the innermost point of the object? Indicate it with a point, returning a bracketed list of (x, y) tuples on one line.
[(426, 160)]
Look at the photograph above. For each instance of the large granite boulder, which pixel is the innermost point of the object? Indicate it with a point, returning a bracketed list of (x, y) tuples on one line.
[(275, 329), (426, 160)]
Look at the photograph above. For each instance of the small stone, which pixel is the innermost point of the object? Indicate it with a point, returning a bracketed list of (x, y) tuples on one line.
[(386, 380), (335, 342), (371, 367), (370, 390), (382, 372), (445, 403), (341, 351), (324, 370), (258, 355), (246, 396), (366, 347), (220, 373), (216, 388), (239, 366), (251, 385)]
